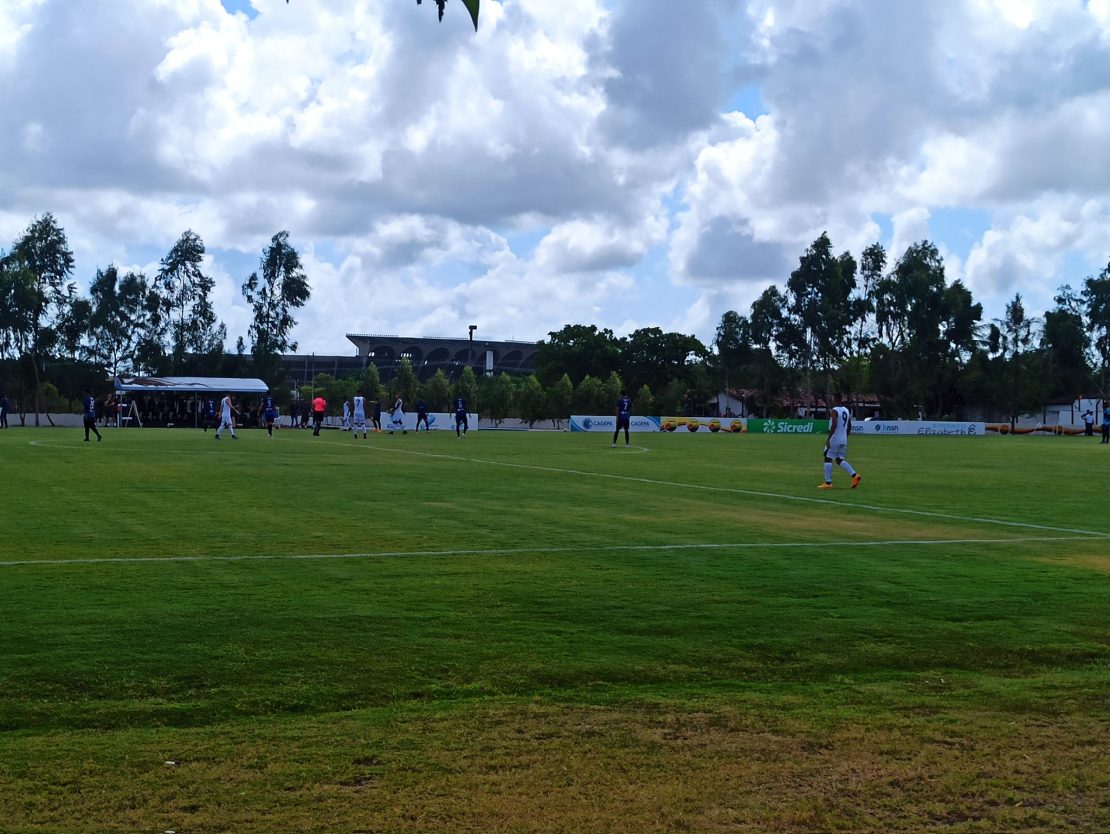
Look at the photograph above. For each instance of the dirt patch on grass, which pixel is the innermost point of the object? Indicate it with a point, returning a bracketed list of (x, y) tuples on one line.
[(562, 768)]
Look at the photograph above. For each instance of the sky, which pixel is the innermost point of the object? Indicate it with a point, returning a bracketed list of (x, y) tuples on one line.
[(624, 163)]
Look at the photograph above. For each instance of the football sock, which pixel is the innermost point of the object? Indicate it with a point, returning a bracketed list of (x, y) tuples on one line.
[(847, 467), (828, 473)]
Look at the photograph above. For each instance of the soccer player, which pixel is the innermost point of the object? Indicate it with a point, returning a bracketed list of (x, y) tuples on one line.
[(360, 415), (227, 408), (462, 424), (836, 446), (1105, 423), (319, 406), (4, 406), (268, 411), (90, 417), (377, 415), (624, 417), (422, 414), (346, 415), (397, 416), (1089, 423), (209, 413)]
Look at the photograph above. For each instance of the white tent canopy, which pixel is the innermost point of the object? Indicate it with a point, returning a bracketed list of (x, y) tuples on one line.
[(190, 385)]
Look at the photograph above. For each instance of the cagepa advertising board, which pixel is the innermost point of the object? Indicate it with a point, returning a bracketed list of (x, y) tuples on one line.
[(602, 423)]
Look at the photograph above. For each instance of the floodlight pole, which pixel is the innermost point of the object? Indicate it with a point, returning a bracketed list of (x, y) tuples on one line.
[(470, 347)]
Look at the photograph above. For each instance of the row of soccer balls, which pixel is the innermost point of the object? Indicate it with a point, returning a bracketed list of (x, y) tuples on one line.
[(714, 425)]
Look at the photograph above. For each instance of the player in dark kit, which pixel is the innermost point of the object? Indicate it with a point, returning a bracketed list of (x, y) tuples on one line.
[(377, 415), (268, 411), (624, 417), (422, 414), (462, 424), (90, 417), (209, 414)]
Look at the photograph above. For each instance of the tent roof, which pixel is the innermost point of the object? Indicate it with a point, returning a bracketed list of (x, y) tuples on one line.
[(192, 384)]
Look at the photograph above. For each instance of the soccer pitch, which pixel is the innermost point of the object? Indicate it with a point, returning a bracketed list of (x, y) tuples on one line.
[(538, 633)]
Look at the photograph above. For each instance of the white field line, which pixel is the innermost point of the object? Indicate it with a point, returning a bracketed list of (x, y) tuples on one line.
[(759, 493), (839, 545), (1022, 525)]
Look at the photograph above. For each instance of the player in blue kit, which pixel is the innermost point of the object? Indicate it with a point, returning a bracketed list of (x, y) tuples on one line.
[(462, 424), (377, 415), (267, 410), (209, 413), (624, 418), (422, 415), (90, 417)]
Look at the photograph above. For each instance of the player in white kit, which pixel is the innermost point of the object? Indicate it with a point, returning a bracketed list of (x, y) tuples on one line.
[(360, 415), (346, 415), (836, 446), (226, 410), (397, 416)]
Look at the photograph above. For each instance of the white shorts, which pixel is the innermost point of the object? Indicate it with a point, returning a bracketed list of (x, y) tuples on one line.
[(836, 451)]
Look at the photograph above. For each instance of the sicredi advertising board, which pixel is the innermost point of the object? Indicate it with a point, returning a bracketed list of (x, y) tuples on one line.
[(918, 428), (760, 426)]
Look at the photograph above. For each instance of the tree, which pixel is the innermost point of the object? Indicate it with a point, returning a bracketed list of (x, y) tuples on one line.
[(126, 322), (767, 323), (650, 356), (589, 397), (281, 288), (1020, 384), (44, 252), (531, 400), (732, 344), (819, 313), (1096, 301), (611, 390), (498, 396), (644, 402), (560, 400), (437, 391), (579, 351), (1065, 342), (405, 384), (194, 328)]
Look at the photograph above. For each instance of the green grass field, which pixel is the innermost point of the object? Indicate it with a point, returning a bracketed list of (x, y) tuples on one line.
[(538, 633)]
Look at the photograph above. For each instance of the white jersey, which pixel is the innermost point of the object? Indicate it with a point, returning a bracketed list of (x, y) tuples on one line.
[(346, 409), (360, 408), (843, 421), (225, 410)]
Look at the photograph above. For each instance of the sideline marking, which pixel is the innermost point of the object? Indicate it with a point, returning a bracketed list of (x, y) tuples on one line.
[(739, 491), (509, 551), (1023, 525)]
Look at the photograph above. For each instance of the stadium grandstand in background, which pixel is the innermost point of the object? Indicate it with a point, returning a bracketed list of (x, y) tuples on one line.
[(426, 354)]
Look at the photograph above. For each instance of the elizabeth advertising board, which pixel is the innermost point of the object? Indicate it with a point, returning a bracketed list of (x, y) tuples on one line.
[(919, 428)]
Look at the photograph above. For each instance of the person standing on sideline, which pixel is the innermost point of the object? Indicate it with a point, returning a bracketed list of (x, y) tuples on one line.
[(227, 408), (397, 416), (422, 414), (377, 415), (90, 417), (209, 416), (360, 415), (267, 410), (1089, 423), (5, 404), (1105, 422), (624, 418), (319, 406), (836, 446), (462, 424), (346, 415)]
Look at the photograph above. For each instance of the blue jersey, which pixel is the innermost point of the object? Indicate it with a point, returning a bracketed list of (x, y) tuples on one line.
[(90, 408), (1106, 416), (209, 408), (268, 403), (460, 405), (624, 408), (421, 407)]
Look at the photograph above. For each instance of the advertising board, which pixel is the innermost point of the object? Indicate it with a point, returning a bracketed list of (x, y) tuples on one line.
[(775, 426), (608, 423), (918, 428)]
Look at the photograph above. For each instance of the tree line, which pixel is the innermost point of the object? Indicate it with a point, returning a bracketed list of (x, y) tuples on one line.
[(900, 333), (56, 342)]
